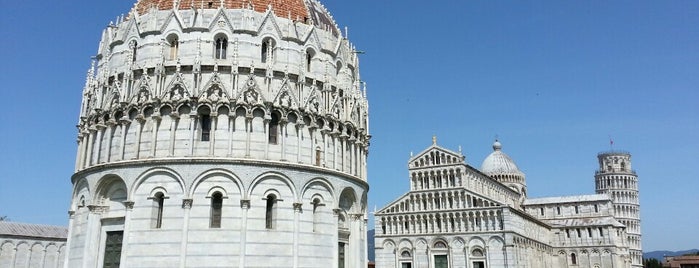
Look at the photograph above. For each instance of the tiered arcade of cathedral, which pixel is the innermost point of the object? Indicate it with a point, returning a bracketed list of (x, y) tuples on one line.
[(221, 133), (458, 216)]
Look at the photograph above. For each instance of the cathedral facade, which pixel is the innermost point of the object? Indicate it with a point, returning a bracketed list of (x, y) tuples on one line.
[(458, 216), (221, 134)]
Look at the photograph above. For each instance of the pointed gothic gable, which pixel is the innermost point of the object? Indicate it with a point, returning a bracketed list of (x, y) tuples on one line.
[(337, 107), (113, 97), (144, 92), (214, 91), (269, 25), (286, 97), (435, 155), (177, 90), (173, 21), (312, 103), (311, 39), (250, 92), (341, 51), (221, 21), (131, 30)]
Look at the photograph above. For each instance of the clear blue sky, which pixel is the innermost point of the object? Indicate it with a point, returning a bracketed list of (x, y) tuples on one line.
[(554, 79)]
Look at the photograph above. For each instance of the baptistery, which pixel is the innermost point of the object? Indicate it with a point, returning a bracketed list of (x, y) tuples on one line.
[(221, 133)]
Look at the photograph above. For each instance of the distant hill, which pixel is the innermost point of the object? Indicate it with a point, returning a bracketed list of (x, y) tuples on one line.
[(370, 237), (661, 253)]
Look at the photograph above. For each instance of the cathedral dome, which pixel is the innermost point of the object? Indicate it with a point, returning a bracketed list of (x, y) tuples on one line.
[(499, 163)]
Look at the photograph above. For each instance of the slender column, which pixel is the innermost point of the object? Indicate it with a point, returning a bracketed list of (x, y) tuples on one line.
[(334, 141), (297, 211), (212, 132), (112, 126), (79, 157), (66, 262), (248, 129), (282, 136), (336, 237), (90, 145), (127, 229), (139, 132), (266, 136), (192, 131), (100, 133), (124, 129), (92, 236), (245, 206), (187, 206), (231, 131), (299, 132), (325, 147), (174, 120), (154, 137)]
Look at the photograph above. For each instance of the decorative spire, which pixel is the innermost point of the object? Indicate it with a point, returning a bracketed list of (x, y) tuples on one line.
[(434, 140)]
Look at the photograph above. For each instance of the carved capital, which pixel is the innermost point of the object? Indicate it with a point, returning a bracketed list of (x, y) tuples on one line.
[(71, 214), (337, 211), (298, 207), (245, 203), (129, 204), (357, 216), (187, 203), (97, 209)]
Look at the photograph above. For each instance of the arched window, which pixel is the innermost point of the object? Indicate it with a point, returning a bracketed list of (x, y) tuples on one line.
[(267, 50), (316, 214), (216, 205), (573, 259), (309, 59), (158, 204), (270, 211), (221, 45), (273, 129), (205, 122), (174, 44)]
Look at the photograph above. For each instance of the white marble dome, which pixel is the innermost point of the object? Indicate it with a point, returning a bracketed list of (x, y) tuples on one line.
[(499, 163)]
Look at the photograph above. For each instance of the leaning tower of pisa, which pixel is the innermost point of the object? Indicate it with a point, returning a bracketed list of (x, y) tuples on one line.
[(616, 179)]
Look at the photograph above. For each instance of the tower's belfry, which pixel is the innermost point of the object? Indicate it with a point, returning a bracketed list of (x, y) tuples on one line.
[(616, 179)]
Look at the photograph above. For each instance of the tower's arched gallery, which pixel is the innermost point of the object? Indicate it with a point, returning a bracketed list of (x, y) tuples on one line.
[(221, 133), (458, 216)]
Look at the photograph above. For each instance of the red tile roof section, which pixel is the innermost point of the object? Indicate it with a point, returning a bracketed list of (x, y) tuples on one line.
[(282, 8)]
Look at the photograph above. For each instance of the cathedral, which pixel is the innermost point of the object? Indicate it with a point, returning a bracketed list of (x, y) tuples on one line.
[(221, 134), (455, 215)]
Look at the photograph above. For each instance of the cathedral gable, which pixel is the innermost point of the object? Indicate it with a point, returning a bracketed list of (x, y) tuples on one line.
[(250, 93), (269, 25), (435, 155), (172, 21), (214, 90), (285, 97), (221, 21)]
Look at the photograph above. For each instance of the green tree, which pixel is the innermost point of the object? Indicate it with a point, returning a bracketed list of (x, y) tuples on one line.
[(652, 263)]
